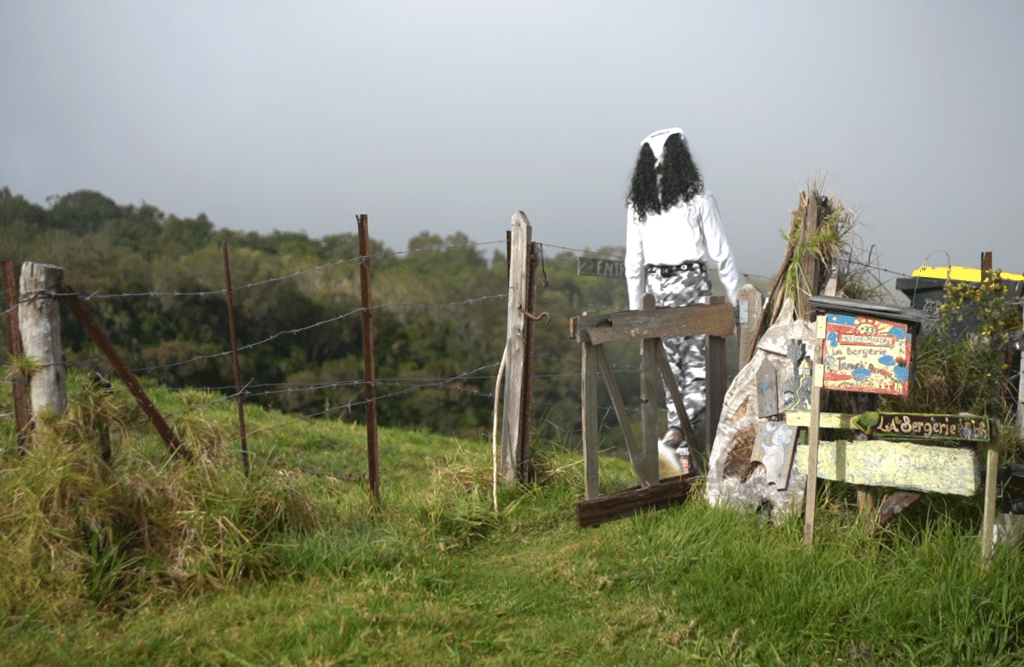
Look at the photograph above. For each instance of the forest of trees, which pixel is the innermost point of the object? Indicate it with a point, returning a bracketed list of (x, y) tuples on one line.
[(153, 281)]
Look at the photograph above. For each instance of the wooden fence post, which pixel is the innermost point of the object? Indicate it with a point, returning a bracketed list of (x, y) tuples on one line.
[(515, 343), (230, 294), (39, 320), (19, 388), (370, 370), (650, 392)]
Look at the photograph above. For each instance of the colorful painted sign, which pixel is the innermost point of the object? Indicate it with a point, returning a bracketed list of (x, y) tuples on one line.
[(868, 354), (942, 427)]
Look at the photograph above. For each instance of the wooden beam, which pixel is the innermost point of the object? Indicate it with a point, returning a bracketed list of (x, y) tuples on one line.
[(633, 501), (650, 390), (632, 447), (712, 319), (588, 391)]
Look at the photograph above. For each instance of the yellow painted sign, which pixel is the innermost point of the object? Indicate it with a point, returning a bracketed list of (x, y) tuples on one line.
[(900, 465)]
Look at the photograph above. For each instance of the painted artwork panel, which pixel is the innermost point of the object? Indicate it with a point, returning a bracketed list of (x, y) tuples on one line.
[(776, 441), (866, 354)]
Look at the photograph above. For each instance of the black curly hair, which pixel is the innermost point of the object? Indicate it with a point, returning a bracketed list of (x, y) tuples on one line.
[(680, 178)]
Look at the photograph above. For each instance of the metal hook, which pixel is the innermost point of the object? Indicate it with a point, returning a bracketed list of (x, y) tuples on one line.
[(536, 318)]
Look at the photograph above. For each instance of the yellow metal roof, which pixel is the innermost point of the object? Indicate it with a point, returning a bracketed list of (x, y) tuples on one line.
[(958, 273)]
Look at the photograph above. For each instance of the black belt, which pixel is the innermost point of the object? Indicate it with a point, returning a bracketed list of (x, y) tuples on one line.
[(669, 270)]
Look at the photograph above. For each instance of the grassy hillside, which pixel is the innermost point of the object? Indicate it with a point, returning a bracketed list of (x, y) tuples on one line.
[(153, 561)]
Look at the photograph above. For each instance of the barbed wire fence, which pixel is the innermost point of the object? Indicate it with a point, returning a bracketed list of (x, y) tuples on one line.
[(479, 380), (389, 388)]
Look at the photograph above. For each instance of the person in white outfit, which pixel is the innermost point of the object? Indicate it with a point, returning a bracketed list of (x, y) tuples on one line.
[(673, 228)]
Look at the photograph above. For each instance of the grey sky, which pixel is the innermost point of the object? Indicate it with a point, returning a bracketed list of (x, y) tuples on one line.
[(450, 116)]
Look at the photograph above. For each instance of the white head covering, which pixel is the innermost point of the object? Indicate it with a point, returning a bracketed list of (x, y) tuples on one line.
[(656, 140)]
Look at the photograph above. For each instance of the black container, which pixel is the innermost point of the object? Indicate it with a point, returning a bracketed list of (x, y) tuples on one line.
[(928, 294)]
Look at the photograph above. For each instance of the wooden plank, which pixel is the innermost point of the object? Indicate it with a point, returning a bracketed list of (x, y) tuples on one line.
[(588, 390), (713, 319), (634, 500), (901, 465), (767, 390), (825, 419), (750, 303), (989, 510)]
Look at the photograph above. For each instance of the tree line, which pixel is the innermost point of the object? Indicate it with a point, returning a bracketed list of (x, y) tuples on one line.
[(439, 328)]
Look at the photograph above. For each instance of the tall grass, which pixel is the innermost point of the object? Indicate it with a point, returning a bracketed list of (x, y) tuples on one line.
[(152, 561)]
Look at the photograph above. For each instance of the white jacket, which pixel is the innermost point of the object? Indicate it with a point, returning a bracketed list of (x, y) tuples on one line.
[(689, 231)]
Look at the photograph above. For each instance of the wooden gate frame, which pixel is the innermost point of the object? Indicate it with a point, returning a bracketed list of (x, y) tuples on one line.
[(648, 325)]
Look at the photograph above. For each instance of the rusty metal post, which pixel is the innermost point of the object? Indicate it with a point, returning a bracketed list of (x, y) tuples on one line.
[(77, 307), (19, 389), (234, 358), (370, 372)]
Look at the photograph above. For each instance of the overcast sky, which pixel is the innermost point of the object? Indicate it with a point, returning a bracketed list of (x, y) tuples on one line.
[(450, 116)]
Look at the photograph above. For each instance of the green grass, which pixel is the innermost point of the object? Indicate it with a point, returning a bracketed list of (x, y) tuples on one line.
[(151, 561)]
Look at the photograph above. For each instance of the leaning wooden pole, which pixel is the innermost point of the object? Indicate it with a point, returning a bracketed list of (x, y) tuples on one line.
[(368, 363), (230, 294), (19, 385), (77, 307)]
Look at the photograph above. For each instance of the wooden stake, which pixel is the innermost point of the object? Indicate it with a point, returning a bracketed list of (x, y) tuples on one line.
[(19, 384), (234, 357), (810, 495), (370, 371)]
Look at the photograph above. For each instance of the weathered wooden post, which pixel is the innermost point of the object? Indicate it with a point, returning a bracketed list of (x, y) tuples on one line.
[(515, 342), (39, 320), (750, 303)]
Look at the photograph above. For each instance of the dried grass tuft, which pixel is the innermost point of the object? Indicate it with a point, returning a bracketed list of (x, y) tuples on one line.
[(79, 533)]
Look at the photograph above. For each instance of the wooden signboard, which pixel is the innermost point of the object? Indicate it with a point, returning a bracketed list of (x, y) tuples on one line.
[(940, 427), (864, 353), (604, 268), (900, 465)]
